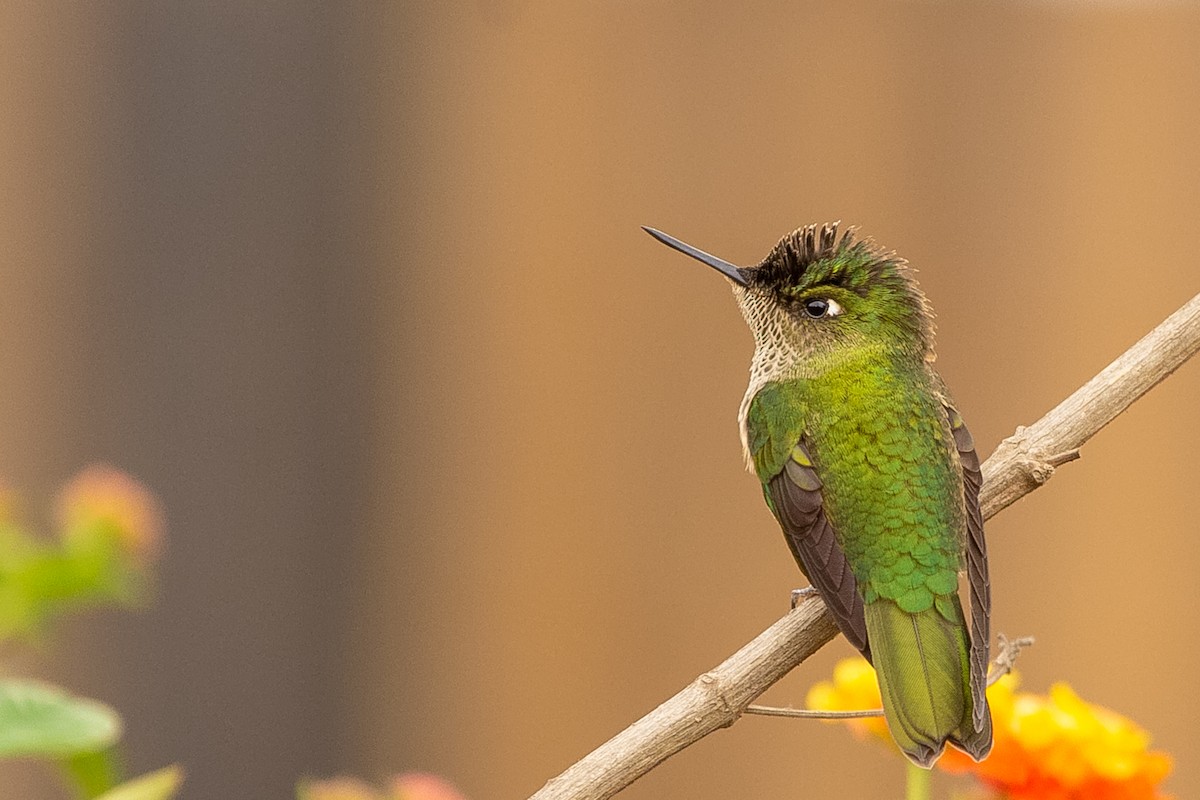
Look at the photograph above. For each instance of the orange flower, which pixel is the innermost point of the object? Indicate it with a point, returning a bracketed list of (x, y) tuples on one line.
[(1059, 747), (1055, 747), (103, 497)]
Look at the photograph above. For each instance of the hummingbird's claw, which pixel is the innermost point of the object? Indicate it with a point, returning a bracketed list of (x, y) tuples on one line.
[(800, 594)]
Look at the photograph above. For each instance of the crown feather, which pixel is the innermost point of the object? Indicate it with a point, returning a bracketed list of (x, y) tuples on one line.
[(790, 259), (815, 256)]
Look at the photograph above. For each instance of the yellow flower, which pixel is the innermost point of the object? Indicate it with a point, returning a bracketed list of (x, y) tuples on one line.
[(854, 688), (105, 498), (1046, 747), (337, 789)]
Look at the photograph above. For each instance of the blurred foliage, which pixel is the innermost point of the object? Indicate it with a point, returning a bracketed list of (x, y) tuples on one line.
[(159, 785), (37, 719), (106, 538)]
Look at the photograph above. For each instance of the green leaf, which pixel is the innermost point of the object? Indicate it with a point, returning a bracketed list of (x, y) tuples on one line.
[(93, 773), (159, 785), (37, 719)]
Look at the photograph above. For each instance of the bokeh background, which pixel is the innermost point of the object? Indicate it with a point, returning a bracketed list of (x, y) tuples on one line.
[(447, 444)]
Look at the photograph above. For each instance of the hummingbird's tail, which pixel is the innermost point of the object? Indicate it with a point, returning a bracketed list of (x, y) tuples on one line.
[(923, 665)]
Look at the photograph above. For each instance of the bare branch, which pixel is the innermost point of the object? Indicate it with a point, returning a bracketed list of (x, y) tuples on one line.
[(1021, 463), (1003, 664), (1026, 460), (1009, 650), (811, 713)]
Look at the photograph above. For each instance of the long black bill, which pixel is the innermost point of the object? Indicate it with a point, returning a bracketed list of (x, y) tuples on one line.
[(734, 274)]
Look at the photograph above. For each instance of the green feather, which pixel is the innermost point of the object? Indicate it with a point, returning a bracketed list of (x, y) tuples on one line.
[(923, 667), (847, 426)]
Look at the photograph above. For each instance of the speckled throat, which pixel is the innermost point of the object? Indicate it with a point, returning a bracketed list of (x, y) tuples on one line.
[(778, 351), (787, 346)]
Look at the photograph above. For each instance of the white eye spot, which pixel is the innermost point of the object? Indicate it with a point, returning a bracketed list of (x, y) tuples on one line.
[(821, 307)]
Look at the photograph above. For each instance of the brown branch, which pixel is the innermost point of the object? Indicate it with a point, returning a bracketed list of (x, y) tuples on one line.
[(1003, 664), (1021, 463)]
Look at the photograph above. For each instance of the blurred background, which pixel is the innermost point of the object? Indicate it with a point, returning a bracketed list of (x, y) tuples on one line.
[(447, 445)]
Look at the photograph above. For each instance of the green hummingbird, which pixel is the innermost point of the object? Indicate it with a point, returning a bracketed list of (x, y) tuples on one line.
[(868, 467)]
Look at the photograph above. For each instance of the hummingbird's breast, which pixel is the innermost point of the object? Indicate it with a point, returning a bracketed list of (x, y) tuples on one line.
[(881, 443)]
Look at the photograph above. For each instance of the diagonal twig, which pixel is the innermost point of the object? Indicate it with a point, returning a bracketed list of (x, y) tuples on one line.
[(1022, 463), (1001, 665)]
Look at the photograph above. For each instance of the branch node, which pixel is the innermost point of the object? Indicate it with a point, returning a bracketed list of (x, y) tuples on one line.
[(1039, 471), (1036, 468), (710, 684), (1006, 659), (1018, 441), (1064, 457)]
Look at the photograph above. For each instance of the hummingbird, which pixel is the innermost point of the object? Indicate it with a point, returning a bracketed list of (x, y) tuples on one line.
[(870, 471)]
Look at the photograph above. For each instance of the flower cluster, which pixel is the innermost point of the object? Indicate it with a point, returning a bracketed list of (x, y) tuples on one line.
[(1047, 747), (107, 538), (103, 500)]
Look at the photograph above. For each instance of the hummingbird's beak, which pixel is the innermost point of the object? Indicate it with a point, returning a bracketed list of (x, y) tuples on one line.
[(734, 274)]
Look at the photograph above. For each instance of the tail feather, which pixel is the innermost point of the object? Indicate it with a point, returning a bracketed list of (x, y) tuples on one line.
[(923, 662)]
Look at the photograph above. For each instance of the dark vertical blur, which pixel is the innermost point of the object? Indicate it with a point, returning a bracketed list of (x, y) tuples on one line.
[(447, 444), (185, 263)]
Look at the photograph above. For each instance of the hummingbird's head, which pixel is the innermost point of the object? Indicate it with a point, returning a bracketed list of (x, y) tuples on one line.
[(817, 296)]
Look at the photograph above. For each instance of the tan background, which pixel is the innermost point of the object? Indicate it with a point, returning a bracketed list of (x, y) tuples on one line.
[(448, 444)]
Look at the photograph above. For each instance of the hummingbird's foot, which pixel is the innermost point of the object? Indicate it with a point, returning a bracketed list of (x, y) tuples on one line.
[(800, 594)]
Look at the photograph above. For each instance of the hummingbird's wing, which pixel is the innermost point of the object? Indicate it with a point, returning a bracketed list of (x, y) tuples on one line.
[(795, 495), (977, 564)]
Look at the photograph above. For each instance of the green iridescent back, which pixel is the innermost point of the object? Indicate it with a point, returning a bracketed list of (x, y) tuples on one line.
[(880, 440)]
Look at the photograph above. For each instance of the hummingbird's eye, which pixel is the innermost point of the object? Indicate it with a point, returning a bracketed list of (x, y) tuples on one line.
[(822, 307)]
